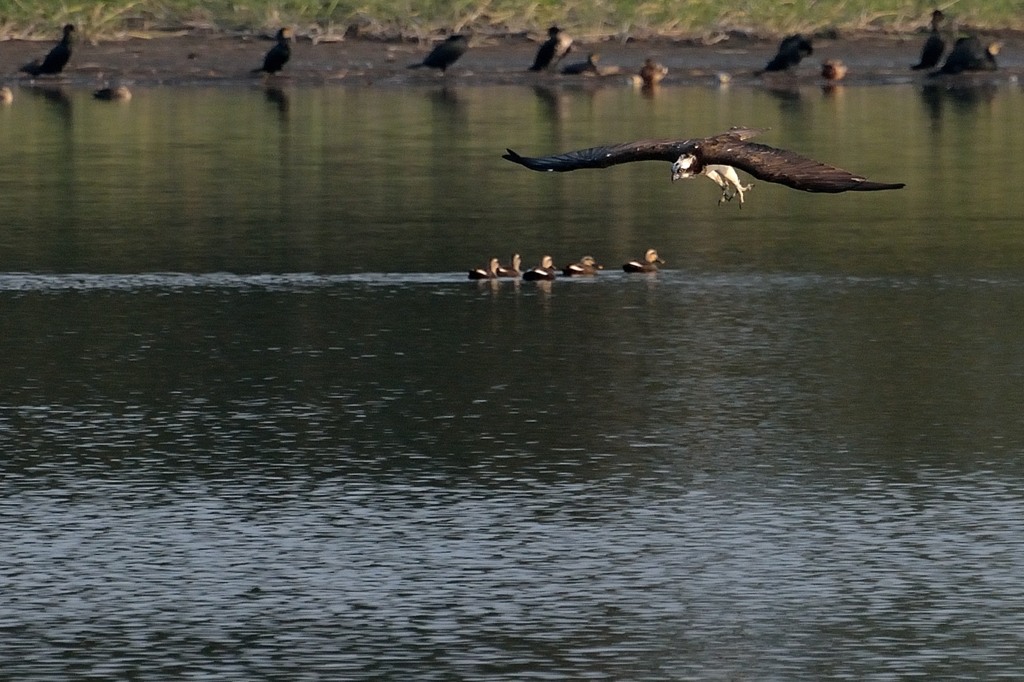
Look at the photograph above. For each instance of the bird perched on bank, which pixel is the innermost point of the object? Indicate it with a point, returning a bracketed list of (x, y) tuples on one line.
[(584, 266), (716, 157), (652, 73), (279, 54), (649, 263), (546, 270), (490, 272), (792, 50), (56, 59), (513, 269), (934, 46), (969, 55), (119, 93), (553, 50), (444, 53), (833, 70)]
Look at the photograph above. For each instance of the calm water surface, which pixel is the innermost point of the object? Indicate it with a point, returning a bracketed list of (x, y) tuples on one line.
[(257, 425)]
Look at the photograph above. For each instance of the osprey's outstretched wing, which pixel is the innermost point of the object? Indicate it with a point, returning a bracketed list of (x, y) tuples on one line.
[(785, 167), (603, 157), (627, 152), (727, 149)]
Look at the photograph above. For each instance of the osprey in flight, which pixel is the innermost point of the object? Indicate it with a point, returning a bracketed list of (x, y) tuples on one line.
[(718, 158)]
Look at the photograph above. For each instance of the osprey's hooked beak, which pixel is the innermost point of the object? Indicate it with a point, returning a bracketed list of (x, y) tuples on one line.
[(681, 167)]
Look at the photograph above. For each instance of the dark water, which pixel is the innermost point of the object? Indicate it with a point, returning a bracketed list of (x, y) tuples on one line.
[(257, 425)]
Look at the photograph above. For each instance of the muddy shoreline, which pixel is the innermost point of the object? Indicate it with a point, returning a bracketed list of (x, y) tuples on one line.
[(218, 59)]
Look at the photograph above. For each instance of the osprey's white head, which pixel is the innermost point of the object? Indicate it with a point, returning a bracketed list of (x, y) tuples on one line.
[(682, 168)]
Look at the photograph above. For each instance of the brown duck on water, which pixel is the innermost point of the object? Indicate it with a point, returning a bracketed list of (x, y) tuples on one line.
[(513, 269), (584, 266), (490, 272), (652, 73), (649, 264), (544, 271), (119, 93)]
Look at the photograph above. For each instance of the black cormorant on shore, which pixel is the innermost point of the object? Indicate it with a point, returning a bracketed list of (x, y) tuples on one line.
[(969, 55), (718, 158), (279, 54), (57, 58), (554, 48), (445, 53), (792, 49), (933, 48)]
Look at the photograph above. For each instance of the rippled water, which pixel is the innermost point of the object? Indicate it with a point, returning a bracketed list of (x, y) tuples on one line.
[(796, 453)]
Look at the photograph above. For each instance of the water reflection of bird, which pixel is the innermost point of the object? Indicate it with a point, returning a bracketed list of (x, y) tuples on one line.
[(513, 269), (279, 54), (934, 46), (963, 97), (717, 158), (6, 95), (584, 266), (833, 70), (650, 263), (553, 50), (490, 272), (791, 51), (445, 53), (544, 271), (969, 55), (119, 93), (278, 98), (56, 59)]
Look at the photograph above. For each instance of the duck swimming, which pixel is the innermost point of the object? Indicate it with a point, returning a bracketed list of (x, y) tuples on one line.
[(584, 266), (544, 271), (490, 272), (649, 264)]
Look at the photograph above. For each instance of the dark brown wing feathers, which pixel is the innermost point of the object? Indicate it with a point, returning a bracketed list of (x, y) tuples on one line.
[(788, 168), (603, 157), (628, 152), (730, 148)]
